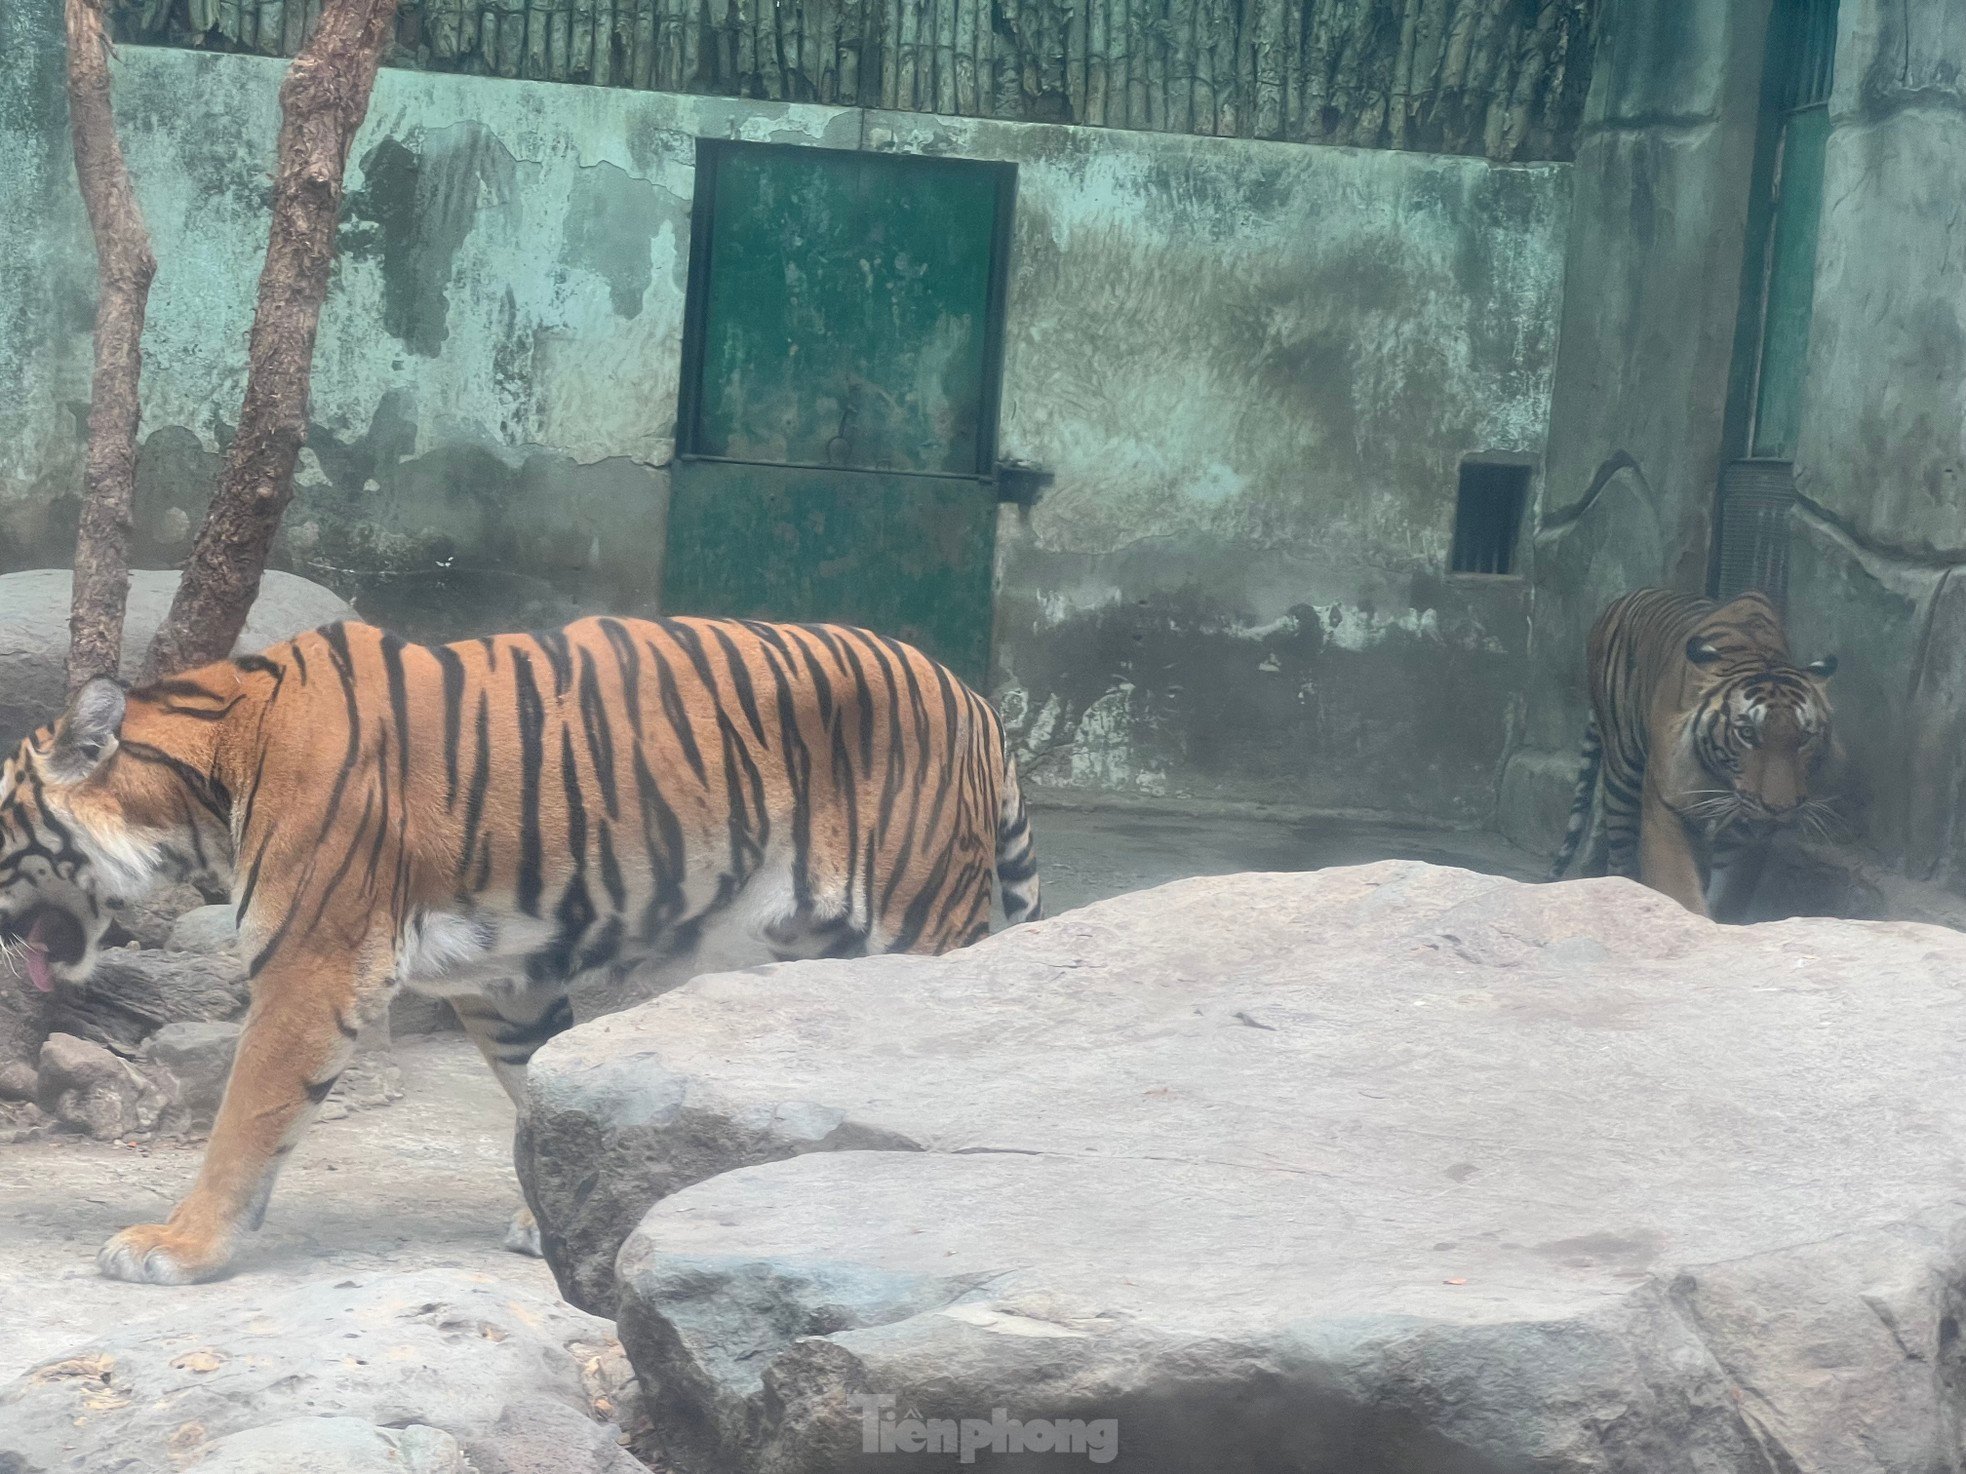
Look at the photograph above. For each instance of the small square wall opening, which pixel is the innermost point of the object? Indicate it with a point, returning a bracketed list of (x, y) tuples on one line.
[(1488, 516)]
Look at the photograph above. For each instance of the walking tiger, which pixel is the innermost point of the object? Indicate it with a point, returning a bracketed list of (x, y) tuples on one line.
[(1704, 738), (487, 821)]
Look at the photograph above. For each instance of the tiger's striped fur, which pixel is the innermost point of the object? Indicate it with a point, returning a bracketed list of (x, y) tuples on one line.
[(492, 819), (1704, 738)]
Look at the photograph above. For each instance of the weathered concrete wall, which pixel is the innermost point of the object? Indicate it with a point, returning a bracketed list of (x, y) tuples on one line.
[(1252, 374), (1250, 369), (47, 290), (495, 385), (1658, 220), (1881, 464)]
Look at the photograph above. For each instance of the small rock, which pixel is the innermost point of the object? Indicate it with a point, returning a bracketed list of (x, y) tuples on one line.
[(206, 929), (17, 1080), (547, 1438), (22, 1120), (24, 1024), (131, 995), (85, 1085), (274, 1382), (198, 1057), (150, 917)]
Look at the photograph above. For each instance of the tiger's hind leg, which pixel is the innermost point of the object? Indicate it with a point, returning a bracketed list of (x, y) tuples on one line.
[(804, 936), (298, 1036), (509, 1027), (1618, 820), (508, 1030)]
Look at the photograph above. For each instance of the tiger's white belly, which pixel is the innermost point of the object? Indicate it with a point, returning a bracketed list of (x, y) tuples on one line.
[(449, 954), (445, 954)]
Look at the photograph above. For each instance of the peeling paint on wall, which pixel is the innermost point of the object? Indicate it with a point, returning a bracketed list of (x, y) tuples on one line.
[(413, 211), (613, 220), (495, 383)]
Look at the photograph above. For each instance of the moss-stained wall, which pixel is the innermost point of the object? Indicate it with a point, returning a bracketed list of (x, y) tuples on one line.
[(495, 384), (1252, 374), (47, 289), (1250, 370)]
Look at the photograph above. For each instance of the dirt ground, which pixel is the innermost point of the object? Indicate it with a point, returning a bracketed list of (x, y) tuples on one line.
[(424, 1183), (428, 1181)]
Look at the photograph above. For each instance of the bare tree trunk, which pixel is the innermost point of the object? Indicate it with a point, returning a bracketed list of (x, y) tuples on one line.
[(124, 267), (322, 103)]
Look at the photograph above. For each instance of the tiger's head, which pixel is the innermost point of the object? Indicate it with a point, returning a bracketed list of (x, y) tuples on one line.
[(74, 838), (1760, 732)]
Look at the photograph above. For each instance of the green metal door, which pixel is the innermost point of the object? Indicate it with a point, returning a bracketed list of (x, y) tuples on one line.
[(1778, 287), (838, 424), (1791, 288)]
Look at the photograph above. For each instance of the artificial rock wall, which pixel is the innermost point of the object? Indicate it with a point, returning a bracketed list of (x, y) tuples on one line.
[(1880, 534), (1636, 441), (1657, 230)]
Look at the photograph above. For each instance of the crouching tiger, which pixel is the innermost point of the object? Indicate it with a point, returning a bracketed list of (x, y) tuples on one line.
[(1705, 737), (488, 820)]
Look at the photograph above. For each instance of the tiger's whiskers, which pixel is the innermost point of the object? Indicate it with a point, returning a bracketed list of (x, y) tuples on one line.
[(1819, 817)]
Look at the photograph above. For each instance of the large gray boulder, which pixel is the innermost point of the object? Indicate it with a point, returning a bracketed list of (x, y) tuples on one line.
[(34, 632), (425, 1366), (1382, 1169)]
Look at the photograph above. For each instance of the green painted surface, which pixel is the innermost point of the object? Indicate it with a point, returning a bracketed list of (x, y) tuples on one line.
[(909, 556), (1250, 372), (846, 315), (1791, 285), (844, 412)]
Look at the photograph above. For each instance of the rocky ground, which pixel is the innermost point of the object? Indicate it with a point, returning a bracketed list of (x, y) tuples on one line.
[(1012, 1084), (425, 1185)]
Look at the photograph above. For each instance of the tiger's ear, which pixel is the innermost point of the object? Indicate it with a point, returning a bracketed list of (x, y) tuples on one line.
[(1822, 669), (87, 731), (1701, 652)]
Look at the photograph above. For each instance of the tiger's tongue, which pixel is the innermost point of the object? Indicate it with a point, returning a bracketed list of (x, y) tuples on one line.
[(35, 956)]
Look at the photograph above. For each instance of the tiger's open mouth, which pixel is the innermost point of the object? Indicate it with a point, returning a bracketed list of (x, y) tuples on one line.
[(40, 939)]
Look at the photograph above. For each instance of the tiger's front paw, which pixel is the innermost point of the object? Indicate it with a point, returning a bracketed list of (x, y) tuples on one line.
[(157, 1254)]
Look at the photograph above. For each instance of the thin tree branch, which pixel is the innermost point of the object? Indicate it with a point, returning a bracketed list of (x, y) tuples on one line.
[(124, 268), (322, 102)]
